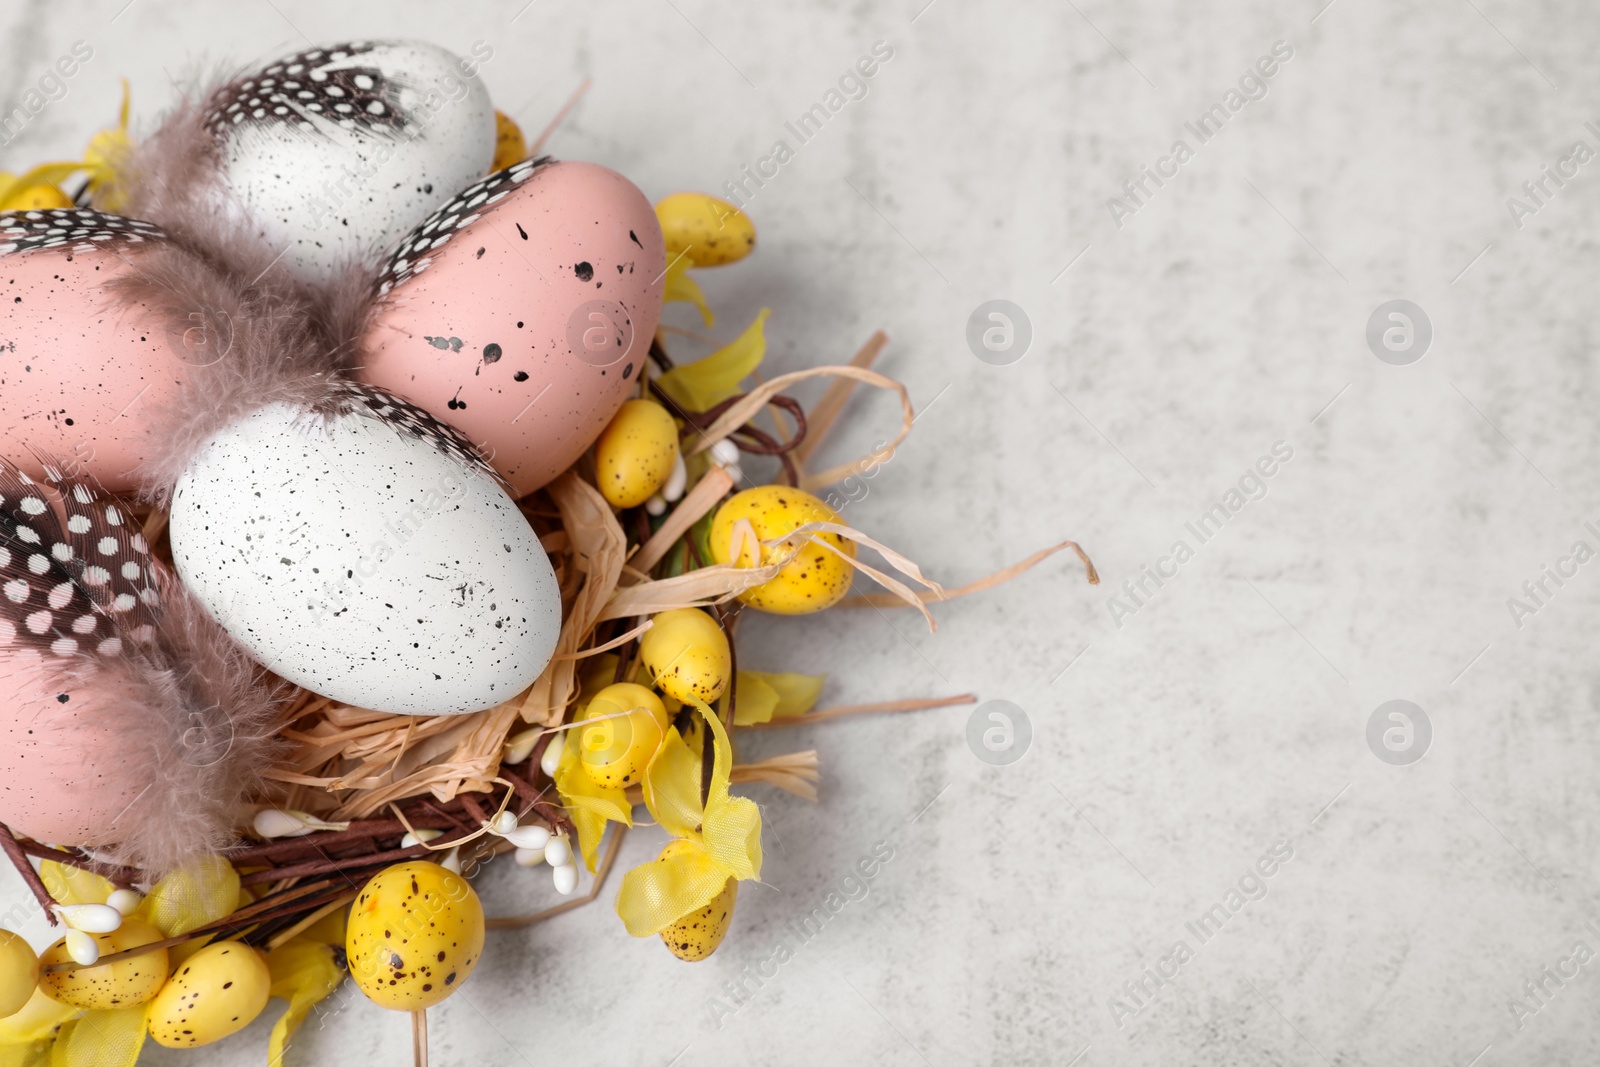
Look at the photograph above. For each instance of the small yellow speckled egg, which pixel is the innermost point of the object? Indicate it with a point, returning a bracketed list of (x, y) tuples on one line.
[(119, 984), (37, 198), (633, 722), (509, 147), (687, 655), (19, 972), (706, 231), (216, 992), (635, 453), (415, 933), (697, 934), (814, 579)]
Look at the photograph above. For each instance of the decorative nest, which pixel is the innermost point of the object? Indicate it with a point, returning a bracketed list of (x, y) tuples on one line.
[(365, 790)]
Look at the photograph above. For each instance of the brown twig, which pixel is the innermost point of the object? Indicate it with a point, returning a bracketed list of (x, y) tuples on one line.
[(323, 840), (474, 809), (121, 876), (659, 354), (553, 814), (19, 858), (228, 924), (313, 868)]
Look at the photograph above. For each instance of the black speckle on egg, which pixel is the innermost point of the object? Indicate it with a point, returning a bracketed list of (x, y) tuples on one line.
[(584, 271)]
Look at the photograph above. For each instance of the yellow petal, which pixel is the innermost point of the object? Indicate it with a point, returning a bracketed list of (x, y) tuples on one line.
[(654, 895), (755, 700), (17, 190), (681, 288), (590, 804), (731, 829), (328, 930), (202, 892), (102, 1039), (672, 787), (763, 697), (38, 1020), (705, 383), (73, 885), (303, 973), (36, 198), (35, 1054)]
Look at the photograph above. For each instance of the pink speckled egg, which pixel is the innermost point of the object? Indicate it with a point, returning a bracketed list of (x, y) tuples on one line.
[(521, 312), (80, 373), (65, 774)]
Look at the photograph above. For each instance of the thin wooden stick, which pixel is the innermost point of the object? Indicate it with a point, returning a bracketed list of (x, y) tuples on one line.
[(19, 858), (515, 922), (310, 920), (846, 710), (419, 1038), (701, 499), (820, 420), (226, 926), (561, 116)]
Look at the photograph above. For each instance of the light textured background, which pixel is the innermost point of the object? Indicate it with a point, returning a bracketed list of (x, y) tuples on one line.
[(1227, 714)]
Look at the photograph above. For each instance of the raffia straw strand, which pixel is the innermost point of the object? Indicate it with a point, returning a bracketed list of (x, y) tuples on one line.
[(821, 418), (842, 711), (615, 642), (283, 936), (1000, 577), (711, 487), (740, 413)]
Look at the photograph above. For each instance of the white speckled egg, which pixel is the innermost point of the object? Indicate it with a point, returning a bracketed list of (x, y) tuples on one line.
[(335, 152), (367, 555)]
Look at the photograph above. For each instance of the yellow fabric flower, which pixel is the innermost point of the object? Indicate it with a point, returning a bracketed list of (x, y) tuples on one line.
[(40, 188), (304, 971), (705, 383), (589, 804), (681, 288), (184, 900), (763, 697), (723, 839)]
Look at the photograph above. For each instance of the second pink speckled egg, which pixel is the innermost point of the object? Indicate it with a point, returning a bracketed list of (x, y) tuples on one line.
[(521, 312), (83, 377)]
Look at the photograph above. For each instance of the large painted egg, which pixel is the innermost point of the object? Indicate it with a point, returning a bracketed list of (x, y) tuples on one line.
[(82, 375), (65, 774), (333, 153), (366, 555), (522, 312)]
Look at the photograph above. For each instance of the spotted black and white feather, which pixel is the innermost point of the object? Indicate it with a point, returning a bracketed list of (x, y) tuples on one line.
[(414, 253), (320, 83), (345, 397), (83, 586), (76, 229), (187, 707)]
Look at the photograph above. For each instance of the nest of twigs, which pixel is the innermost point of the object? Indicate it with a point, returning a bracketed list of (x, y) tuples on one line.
[(384, 776)]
